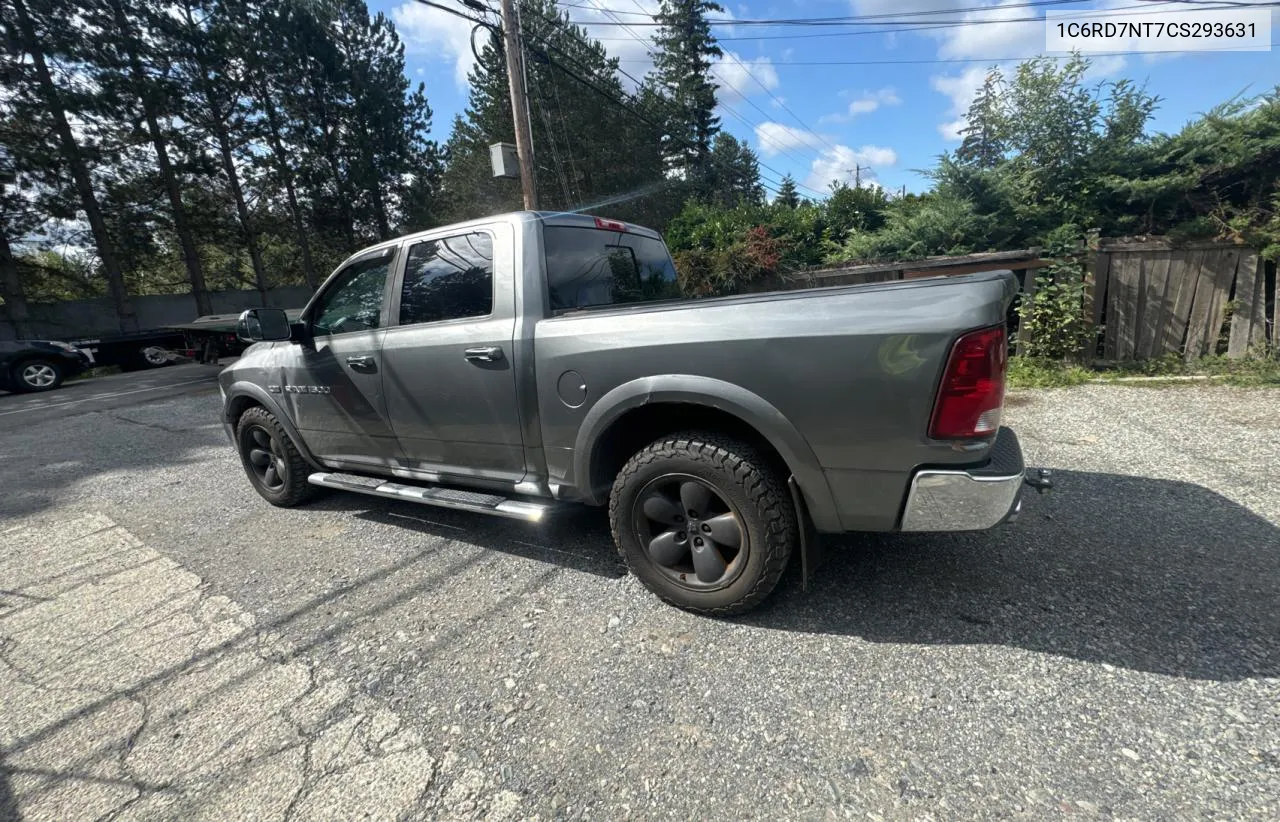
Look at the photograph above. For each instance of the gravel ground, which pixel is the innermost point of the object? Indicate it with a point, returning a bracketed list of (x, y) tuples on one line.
[(1115, 653)]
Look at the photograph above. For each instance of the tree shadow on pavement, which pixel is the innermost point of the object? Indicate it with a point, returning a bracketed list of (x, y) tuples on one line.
[(1146, 574), (8, 802)]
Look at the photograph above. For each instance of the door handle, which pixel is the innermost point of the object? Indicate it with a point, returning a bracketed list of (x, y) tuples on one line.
[(488, 353), (361, 363)]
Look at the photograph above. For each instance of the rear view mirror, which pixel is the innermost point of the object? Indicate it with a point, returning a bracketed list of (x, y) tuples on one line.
[(263, 325)]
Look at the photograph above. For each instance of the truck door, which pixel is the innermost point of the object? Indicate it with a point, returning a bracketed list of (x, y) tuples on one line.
[(449, 377), (333, 387)]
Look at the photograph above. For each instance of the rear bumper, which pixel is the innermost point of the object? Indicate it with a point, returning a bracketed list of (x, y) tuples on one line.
[(971, 499)]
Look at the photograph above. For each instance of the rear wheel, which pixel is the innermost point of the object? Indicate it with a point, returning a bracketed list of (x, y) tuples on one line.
[(276, 469), (153, 356), (704, 521), (37, 375)]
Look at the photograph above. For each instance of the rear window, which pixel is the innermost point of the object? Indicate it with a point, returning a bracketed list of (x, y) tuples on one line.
[(589, 267)]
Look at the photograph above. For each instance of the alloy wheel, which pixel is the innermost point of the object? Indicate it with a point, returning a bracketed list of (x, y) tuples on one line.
[(691, 532), (266, 457), (39, 375)]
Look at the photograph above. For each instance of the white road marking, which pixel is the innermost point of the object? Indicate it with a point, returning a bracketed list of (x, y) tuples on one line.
[(102, 397)]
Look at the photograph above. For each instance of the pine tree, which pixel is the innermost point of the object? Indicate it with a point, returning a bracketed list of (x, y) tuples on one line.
[(387, 123), (787, 195), (685, 53), (123, 72), (41, 35), (734, 173), (984, 131)]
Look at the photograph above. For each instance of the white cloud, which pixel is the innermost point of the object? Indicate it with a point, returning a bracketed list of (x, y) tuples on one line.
[(776, 138), (997, 34), (429, 31), (865, 103), (840, 162), (734, 76)]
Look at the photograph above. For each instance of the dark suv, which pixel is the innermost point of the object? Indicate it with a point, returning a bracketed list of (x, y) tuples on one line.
[(39, 365)]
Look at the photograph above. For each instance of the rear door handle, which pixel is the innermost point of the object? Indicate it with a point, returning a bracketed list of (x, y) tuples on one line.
[(361, 363), (488, 353)]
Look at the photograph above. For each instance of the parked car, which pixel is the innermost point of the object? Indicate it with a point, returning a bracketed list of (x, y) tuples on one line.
[(522, 363), (39, 365)]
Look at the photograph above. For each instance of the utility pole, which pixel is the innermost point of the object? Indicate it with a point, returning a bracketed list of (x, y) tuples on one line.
[(519, 103), (857, 174)]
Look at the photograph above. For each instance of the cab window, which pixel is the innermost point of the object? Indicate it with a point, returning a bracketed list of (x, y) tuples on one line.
[(354, 301), (448, 279)]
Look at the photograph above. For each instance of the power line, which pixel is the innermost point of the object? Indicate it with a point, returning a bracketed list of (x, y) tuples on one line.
[(911, 25), (983, 59), (836, 20)]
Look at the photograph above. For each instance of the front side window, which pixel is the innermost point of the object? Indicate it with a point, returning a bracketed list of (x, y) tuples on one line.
[(354, 301), (591, 266), (448, 279)]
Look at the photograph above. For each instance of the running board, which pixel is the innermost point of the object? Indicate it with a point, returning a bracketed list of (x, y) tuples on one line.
[(476, 501)]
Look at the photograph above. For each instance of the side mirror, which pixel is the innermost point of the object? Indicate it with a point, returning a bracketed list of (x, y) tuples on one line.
[(263, 325)]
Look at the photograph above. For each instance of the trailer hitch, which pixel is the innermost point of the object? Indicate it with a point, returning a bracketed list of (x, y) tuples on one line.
[(1039, 479)]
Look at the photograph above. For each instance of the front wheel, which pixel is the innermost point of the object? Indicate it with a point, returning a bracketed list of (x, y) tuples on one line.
[(37, 375), (274, 465), (704, 522)]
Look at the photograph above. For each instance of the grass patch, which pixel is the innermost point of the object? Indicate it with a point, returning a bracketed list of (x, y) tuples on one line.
[(1026, 372), (1252, 372), (98, 371)]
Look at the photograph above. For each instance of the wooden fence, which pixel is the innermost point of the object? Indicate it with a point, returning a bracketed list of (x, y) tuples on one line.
[(1153, 298)]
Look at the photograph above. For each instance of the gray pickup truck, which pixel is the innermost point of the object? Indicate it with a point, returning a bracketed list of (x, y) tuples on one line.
[(522, 363)]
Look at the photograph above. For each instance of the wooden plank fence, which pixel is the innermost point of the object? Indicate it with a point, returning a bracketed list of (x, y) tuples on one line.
[(1153, 298)]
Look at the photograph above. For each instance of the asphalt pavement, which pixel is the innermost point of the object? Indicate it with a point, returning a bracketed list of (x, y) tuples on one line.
[(101, 394), (176, 648)]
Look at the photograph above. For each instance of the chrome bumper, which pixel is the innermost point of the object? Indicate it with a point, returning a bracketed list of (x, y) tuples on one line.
[(971, 499)]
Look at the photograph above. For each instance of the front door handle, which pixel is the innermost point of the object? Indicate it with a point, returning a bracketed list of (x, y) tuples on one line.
[(488, 353), (361, 364)]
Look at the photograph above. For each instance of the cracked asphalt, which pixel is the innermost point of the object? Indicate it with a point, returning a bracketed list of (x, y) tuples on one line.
[(172, 647)]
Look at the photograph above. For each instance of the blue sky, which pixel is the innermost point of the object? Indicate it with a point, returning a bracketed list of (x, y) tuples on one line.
[(817, 122)]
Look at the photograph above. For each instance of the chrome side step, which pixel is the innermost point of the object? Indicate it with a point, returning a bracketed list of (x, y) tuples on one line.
[(529, 510)]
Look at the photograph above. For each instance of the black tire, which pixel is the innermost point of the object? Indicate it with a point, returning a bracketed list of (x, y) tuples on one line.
[(747, 492), (34, 375), (276, 469)]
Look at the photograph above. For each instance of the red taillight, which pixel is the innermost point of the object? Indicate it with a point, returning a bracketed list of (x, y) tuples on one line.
[(971, 395), (610, 225)]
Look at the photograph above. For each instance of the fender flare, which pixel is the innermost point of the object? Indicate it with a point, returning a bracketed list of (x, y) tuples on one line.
[(258, 395), (709, 392)]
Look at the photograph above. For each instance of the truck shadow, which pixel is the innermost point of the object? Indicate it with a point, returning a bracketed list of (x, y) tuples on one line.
[(576, 538), (1146, 574)]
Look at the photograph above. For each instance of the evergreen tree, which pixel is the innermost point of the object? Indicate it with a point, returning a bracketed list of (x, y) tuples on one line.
[(385, 136), (682, 61), (787, 195), (985, 129), (146, 97), (734, 173), (33, 38)]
